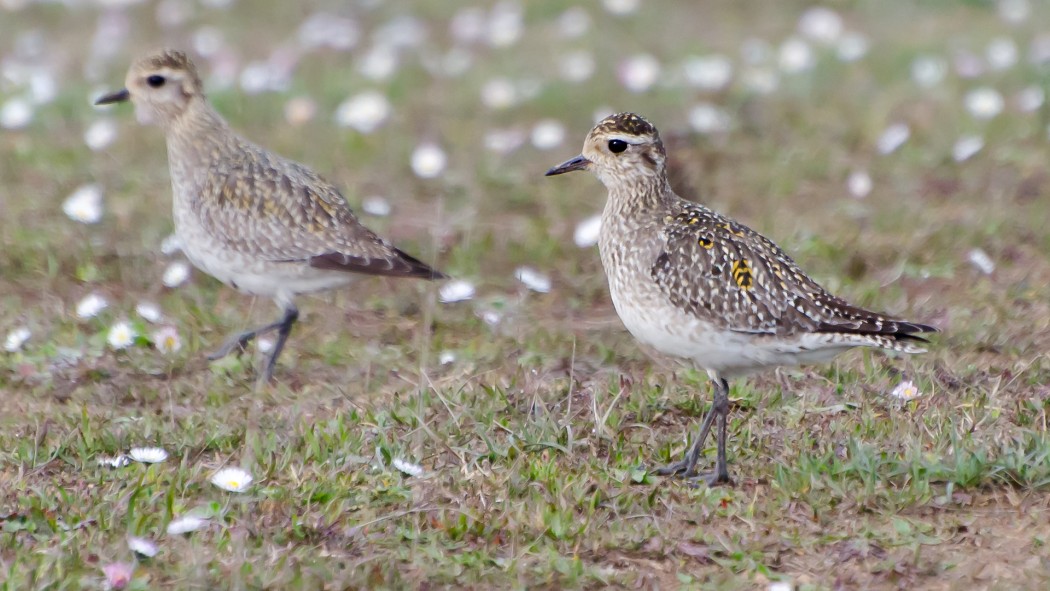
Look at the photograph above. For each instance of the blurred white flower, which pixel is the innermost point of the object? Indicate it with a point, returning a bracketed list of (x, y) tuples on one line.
[(821, 24), (796, 56), (505, 24), (1001, 53), (499, 93), (256, 77), (906, 391), (548, 134), (185, 525), (173, 13), (176, 274), (407, 467), (323, 29), (364, 112), (456, 62), (16, 113), (84, 205), (852, 47), (375, 205), (576, 66), (639, 72), (142, 547), (446, 357), (707, 118), (428, 160), (574, 22), (984, 102), (232, 479), (1039, 50), (967, 64), (1030, 98), (166, 340), (379, 63), (468, 25), (42, 87), (966, 146), (100, 134), (298, 110), (264, 344), (118, 575), (170, 245), (504, 141), (118, 461), (491, 317), (586, 233), (893, 137), (533, 279), (761, 80), (780, 586), (457, 290), (16, 339), (755, 51), (207, 41), (148, 455), (1014, 11), (981, 261), (710, 72), (621, 7), (859, 184), (149, 312), (928, 71), (90, 306), (121, 335)]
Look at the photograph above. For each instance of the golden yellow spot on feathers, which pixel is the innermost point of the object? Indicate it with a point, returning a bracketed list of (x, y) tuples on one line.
[(706, 242), (742, 274)]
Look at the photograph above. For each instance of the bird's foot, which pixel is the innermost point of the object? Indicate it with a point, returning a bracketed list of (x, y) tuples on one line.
[(683, 468), (711, 479), (239, 342)]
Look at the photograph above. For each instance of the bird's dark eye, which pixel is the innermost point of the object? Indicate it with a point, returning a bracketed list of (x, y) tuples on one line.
[(617, 146), (155, 81)]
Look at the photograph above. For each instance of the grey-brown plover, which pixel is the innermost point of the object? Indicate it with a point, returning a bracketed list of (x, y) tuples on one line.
[(260, 223), (696, 285)]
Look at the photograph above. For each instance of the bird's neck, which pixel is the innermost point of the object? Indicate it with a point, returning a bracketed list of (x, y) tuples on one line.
[(632, 199), (199, 134)]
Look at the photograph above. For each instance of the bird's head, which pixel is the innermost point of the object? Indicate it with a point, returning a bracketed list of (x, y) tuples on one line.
[(162, 86), (622, 149)]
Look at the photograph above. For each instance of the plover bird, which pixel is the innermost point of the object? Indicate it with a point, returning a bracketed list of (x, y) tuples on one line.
[(695, 285), (260, 223)]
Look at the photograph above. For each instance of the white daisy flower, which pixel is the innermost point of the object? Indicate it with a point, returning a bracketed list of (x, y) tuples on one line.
[(967, 146), (90, 306), (175, 274), (852, 46), (322, 29), (446, 357), (16, 113), (376, 205), (170, 245), (84, 205), (586, 233), (928, 71), (364, 112), (491, 317), (166, 340), (984, 102), (1001, 53), (574, 22), (504, 141), (142, 547), (232, 479), (468, 25), (148, 455), (1014, 11), (981, 261), (407, 467), (706, 118), (859, 184), (621, 7), (893, 137), (821, 24), (711, 72), (761, 80), (780, 586), (548, 134), (456, 290), (379, 63), (121, 335), (185, 525), (149, 312), (16, 338), (428, 160), (299, 110), (499, 93), (533, 279), (906, 390), (505, 24), (1030, 98), (576, 66), (100, 134), (796, 56), (264, 344), (118, 461), (639, 72)]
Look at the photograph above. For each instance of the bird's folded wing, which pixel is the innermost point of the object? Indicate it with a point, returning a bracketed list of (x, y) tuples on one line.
[(734, 278), (276, 210)]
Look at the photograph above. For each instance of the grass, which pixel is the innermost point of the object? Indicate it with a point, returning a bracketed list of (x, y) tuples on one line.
[(536, 438)]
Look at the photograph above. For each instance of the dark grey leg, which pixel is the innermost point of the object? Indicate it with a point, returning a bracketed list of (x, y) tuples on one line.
[(686, 467), (241, 340)]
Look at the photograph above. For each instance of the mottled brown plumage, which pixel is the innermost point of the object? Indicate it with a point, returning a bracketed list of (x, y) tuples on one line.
[(693, 284), (256, 221)]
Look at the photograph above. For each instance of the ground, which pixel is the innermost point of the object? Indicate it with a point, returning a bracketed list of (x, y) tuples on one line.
[(534, 416)]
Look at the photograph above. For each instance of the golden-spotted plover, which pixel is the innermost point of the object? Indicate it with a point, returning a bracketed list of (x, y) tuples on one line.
[(258, 222), (696, 285)]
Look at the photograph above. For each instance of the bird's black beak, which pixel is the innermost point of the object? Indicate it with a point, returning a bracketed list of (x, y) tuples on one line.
[(577, 163), (114, 97)]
